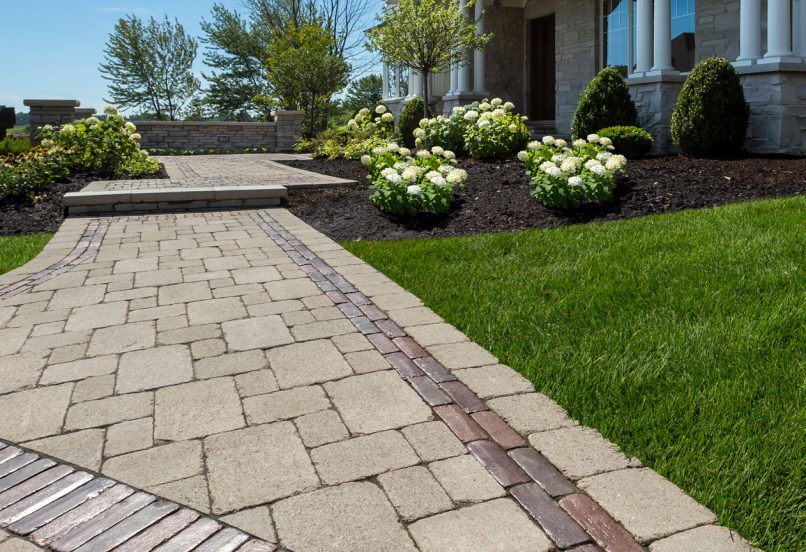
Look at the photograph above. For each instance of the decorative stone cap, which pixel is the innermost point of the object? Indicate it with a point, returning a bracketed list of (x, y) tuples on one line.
[(85, 112), (51, 103)]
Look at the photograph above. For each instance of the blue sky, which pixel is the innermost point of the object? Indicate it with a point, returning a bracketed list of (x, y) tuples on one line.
[(55, 52)]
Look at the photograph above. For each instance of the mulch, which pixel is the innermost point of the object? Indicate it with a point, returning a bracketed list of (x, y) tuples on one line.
[(21, 216), (497, 196)]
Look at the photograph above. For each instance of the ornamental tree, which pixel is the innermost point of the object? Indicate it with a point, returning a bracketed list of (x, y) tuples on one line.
[(426, 36), (149, 66)]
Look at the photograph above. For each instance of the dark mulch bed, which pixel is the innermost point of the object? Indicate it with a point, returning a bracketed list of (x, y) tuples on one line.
[(497, 196), (20, 216)]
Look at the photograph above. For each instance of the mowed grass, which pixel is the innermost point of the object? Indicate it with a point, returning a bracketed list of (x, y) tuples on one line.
[(17, 250), (681, 337)]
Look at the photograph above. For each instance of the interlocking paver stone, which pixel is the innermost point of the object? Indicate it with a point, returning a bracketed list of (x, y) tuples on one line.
[(77, 297), (184, 293), (34, 413), (79, 369), (467, 354), (12, 340), (123, 338), (499, 525), (251, 466), (321, 428), (82, 448), (307, 363), (282, 405), (362, 457), (190, 492), (465, 479), (197, 409), (433, 441), (414, 493), (258, 382), (375, 402), (367, 361), (129, 436), (494, 381), (347, 518), (157, 465), (709, 538), (215, 310), (557, 524), (233, 363), (578, 451), (97, 316), (255, 521), (435, 334), (531, 412), (94, 388), (256, 333), (20, 371), (109, 411), (153, 368)]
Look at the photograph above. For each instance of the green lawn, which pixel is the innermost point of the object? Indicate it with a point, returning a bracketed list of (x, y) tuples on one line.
[(680, 337), (17, 250)]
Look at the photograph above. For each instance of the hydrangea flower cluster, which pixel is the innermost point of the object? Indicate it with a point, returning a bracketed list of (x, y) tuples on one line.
[(487, 129), (381, 125), (408, 183), (570, 175)]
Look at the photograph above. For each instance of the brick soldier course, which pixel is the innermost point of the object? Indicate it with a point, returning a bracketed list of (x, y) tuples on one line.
[(246, 367)]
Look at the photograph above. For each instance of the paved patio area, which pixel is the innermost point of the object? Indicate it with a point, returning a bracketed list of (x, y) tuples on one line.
[(247, 368)]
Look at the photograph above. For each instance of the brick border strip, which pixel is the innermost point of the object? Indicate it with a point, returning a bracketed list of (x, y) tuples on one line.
[(64, 509), (571, 519), (86, 247)]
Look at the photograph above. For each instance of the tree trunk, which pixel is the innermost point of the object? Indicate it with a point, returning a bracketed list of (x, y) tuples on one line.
[(425, 93)]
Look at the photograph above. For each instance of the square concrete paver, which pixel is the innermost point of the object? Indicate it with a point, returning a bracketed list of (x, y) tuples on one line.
[(645, 503), (710, 538), (578, 451), (197, 409), (531, 412), (19, 371), (123, 338), (497, 526), (466, 480), (12, 339), (282, 405), (36, 413), (259, 464), (216, 310), (307, 363), (97, 316), (414, 493), (321, 428), (260, 332), (129, 436), (355, 517), (184, 293), (494, 381), (433, 441), (363, 457), (153, 368), (378, 401)]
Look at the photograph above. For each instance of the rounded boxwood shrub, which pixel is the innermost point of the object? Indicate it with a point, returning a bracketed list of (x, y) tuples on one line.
[(605, 102), (628, 140), (711, 114), (409, 119)]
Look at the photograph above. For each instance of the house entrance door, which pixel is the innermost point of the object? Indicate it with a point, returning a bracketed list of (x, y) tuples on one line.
[(543, 76)]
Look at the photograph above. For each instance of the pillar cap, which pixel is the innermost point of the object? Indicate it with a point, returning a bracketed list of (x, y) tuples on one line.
[(51, 103)]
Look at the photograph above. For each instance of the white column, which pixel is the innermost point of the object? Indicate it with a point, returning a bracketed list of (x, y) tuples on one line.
[(454, 79), (479, 73), (663, 36), (385, 81), (396, 82), (749, 31), (415, 83), (779, 29), (463, 69), (643, 46), (801, 28)]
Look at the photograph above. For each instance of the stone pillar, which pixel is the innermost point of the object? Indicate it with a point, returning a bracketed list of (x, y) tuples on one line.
[(479, 73), (749, 32), (644, 39), (288, 129), (84, 112), (385, 81), (50, 112), (779, 32), (663, 37)]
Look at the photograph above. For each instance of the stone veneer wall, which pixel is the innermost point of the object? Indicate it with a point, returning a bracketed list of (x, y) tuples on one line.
[(576, 56), (717, 29), (505, 55), (777, 112), (204, 135)]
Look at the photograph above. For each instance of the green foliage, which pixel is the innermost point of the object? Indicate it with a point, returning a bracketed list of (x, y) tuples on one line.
[(426, 36), (149, 66), (363, 92), (13, 145), (628, 140), (496, 132), (28, 174), (305, 73), (406, 185), (711, 114), (567, 177), (409, 120), (605, 102)]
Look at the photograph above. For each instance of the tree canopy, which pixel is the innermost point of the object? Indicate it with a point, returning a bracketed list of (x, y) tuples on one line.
[(364, 92), (149, 66)]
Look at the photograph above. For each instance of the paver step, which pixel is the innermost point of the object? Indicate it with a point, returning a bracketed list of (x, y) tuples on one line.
[(59, 508)]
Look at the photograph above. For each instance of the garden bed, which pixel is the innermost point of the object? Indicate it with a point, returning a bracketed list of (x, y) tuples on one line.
[(21, 216), (497, 196)]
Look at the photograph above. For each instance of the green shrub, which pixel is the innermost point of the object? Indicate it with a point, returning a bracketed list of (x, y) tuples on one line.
[(13, 145), (711, 114), (497, 131), (605, 102), (409, 120), (628, 140), (28, 174)]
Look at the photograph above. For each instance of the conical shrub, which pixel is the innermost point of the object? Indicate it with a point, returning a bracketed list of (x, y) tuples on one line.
[(606, 102)]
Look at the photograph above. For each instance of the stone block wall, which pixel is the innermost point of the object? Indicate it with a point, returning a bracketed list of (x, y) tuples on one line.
[(50, 112), (655, 100), (777, 112), (504, 56), (576, 56)]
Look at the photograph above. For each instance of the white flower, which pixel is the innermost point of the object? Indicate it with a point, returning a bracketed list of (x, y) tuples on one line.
[(418, 143), (419, 133), (604, 156), (449, 155), (615, 163), (483, 123), (580, 143), (558, 158), (351, 124), (445, 169), (509, 106), (393, 147), (387, 117), (560, 143), (459, 110), (363, 112), (485, 106), (523, 156), (423, 154), (134, 136), (548, 140), (378, 151), (534, 145), (414, 189), (456, 176), (380, 110), (598, 170), (554, 172), (574, 181), (431, 175), (546, 165), (593, 138), (471, 115), (498, 114), (394, 178), (387, 171), (605, 141), (405, 152), (512, 128), (440, 181), (569, 165), (366, 160), (110, 110), (93, 121), (130, 127), (496, 102), (47, 143), (590, 163), (423, 123), (66, 129), (436, 150), (399, 166), (411, 173)]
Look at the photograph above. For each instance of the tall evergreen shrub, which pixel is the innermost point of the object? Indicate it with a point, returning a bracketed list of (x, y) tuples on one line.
[(606, 102)]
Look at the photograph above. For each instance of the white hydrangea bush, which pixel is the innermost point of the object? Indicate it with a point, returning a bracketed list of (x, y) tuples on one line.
[(405, 182), (381, 123), (569, 175)]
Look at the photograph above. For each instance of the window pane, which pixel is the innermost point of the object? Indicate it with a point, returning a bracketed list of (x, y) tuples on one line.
[(683, 26), (615, 34)]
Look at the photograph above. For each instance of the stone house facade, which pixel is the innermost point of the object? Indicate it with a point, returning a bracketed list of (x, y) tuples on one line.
[(544, 52)]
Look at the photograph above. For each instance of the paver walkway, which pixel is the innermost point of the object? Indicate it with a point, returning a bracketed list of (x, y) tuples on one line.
[(243, 365)]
